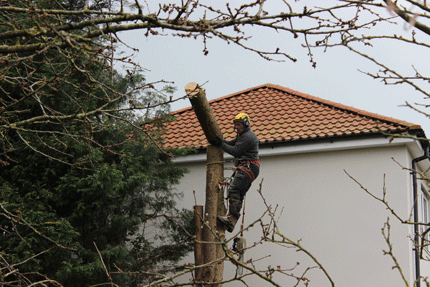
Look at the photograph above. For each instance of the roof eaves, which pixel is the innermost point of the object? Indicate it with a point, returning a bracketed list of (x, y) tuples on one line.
[(375, 134), (274, 143)]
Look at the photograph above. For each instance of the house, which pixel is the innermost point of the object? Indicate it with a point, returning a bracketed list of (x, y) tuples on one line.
[(318, 158)]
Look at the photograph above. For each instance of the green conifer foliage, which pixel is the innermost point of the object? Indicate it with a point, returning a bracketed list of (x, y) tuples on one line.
[(112, 201), (85, 185)]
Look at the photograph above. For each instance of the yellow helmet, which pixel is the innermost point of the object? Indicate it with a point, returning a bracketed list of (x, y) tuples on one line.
[(243, 118)]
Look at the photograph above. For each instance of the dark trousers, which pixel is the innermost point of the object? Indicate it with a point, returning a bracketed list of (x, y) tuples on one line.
[(238, 187)]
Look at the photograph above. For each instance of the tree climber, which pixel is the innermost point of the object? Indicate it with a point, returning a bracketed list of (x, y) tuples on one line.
[(244, 148)]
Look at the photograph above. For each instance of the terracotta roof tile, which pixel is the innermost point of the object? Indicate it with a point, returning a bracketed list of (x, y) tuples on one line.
[(280, 114)]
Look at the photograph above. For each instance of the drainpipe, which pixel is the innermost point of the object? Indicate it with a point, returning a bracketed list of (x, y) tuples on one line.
[(416, 231)]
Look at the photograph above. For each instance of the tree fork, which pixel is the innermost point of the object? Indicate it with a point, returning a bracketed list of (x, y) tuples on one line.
[(214, 204)]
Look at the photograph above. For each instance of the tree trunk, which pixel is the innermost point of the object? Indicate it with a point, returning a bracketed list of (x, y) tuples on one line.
[(214, 204), (212, 233), (203, 111)]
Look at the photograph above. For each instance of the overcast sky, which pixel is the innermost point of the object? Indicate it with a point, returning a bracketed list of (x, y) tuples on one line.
[(228, 69)]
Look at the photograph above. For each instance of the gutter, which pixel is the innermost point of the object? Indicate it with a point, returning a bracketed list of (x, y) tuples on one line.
[(416, 231), (276, 150)]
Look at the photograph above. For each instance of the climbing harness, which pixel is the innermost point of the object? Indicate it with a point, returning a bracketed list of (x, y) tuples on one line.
[(247, 169)]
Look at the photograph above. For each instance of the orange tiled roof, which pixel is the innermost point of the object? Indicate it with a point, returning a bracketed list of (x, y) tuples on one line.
[(280, 114)]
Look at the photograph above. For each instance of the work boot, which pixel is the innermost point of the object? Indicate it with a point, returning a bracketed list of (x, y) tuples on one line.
[(229, 221)]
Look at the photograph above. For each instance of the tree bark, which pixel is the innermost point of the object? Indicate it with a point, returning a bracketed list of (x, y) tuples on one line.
[(203, 111), (214, 204), (211, 232)]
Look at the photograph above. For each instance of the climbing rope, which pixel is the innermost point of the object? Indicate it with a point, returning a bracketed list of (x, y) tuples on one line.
[(224, 184), (215, 162), (243, 217)]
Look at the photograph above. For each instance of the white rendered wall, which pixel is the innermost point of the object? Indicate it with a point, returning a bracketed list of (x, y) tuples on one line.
[(332, 216)]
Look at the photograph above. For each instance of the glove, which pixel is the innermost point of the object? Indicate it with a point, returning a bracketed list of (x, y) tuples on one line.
[(216, 141)]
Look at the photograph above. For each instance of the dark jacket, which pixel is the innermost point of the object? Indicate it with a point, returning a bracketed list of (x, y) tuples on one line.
[(243, 147)]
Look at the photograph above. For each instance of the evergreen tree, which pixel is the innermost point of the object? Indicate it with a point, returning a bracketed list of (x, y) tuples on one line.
[(111, 202), (86, 195)]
